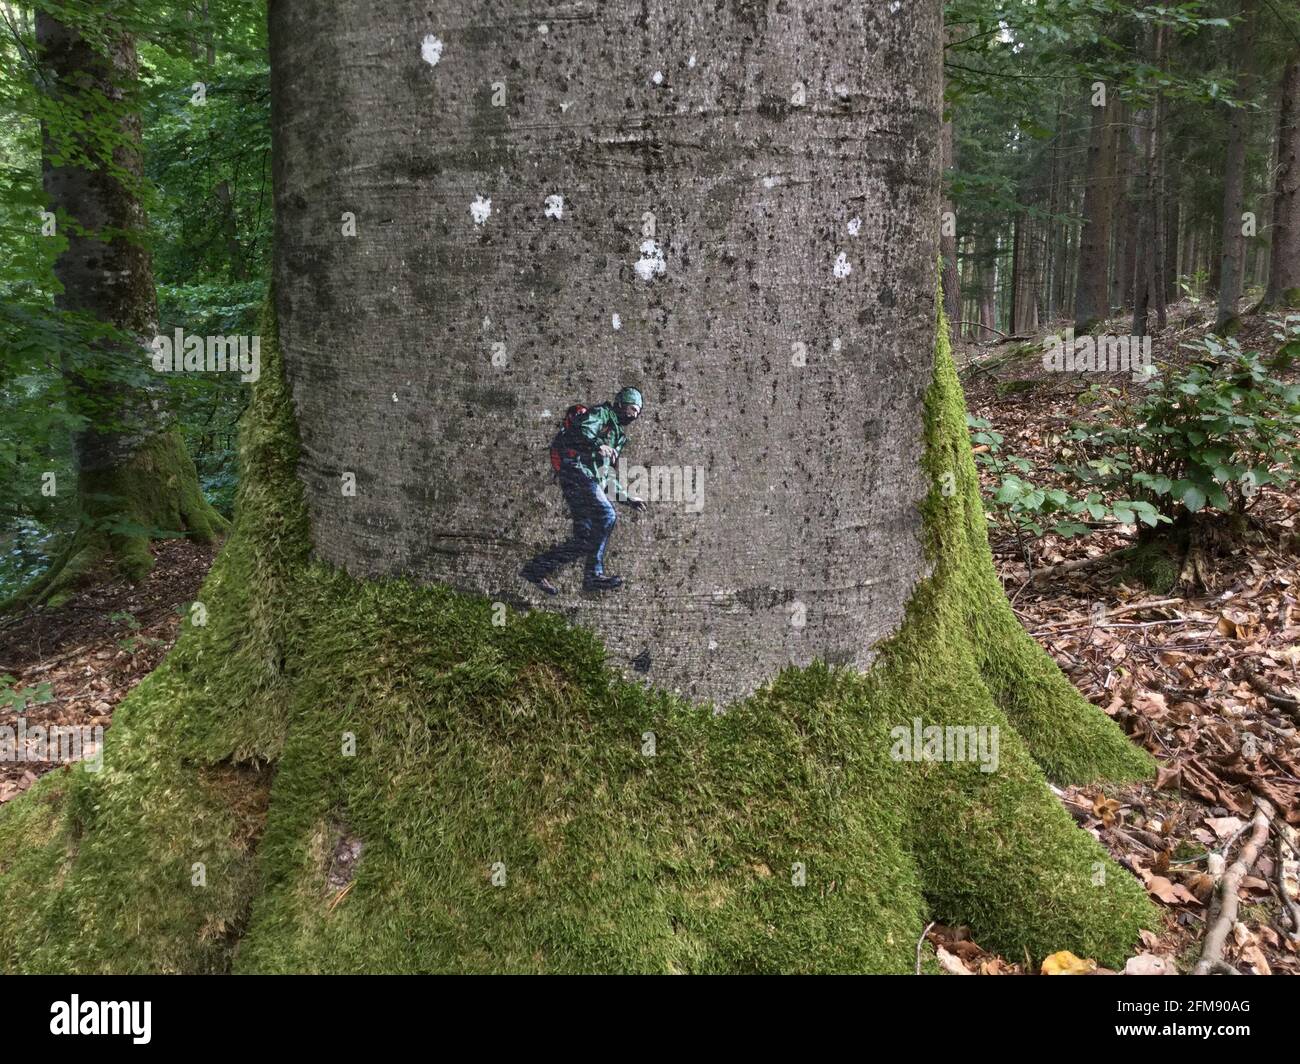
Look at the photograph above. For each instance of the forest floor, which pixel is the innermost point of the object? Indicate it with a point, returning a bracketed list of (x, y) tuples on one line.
[(1208, 682)]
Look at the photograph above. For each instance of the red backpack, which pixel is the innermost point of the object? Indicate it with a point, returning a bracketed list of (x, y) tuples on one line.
[(562, 446)]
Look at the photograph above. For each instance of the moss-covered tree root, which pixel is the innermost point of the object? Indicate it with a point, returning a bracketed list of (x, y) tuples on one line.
[(520, 809), (122, 508)]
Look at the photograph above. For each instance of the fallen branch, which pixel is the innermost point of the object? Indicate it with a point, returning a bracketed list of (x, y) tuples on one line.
[(1221, 921), (1135, 607), (1076, 565), (1289, 904), (1274, 696)]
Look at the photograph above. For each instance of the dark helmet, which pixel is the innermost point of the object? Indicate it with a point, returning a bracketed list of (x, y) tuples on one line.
[(629, 397)]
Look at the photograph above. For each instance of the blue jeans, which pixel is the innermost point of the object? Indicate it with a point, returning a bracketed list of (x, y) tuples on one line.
[(593, 521)]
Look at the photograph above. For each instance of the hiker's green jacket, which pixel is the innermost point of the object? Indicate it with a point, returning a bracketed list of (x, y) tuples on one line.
[(600, 425)]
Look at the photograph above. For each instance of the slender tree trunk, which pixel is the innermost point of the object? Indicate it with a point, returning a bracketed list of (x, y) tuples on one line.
[(1091, 297), (1284, 251), (948, 235), (1126, 211), (1232, 260)]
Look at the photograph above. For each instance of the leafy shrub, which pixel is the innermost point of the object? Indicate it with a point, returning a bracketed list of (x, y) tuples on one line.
[(1209, 436)]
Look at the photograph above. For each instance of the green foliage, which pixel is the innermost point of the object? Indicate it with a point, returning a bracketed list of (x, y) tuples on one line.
[(1209, 436), (15, 699), (206, 191), (1027, 508)]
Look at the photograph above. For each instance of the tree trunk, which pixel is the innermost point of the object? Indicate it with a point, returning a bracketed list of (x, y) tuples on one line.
[(517, 804), (948, 233), (1091, 297), (133, 474), (1126, 217), (1232, 260), (1284, 252)]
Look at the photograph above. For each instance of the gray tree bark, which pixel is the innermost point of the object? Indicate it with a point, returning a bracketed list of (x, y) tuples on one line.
[(1284, 251), (1091, 297), (747, 235), (1232, 258)]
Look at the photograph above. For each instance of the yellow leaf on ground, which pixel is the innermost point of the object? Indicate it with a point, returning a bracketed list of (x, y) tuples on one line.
[(1066, 963)]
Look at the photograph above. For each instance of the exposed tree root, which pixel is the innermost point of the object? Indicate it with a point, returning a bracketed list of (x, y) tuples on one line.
[(123, 509)]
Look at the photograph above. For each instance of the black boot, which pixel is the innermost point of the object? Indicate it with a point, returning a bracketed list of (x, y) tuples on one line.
[(535, 575), (601, 582)]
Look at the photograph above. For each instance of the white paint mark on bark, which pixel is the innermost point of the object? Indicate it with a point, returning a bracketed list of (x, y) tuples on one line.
[(855, 225), (543, 29), (431, 50), (842, 267), (617, 322), (481, 210), (651, 262), (555, 207), (565, 105), (691, 62), (771, 182), (657, 77)]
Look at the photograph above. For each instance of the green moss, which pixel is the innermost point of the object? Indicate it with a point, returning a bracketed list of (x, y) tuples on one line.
[(512, 749), (1155, 564)]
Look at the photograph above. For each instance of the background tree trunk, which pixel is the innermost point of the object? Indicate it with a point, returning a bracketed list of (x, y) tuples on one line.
[(1091, 299), (1284, 251), (133, 474), (948, 240), (1232, 259)]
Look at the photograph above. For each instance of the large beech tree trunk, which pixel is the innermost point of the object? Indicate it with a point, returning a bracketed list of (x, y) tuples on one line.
[(778, 331)]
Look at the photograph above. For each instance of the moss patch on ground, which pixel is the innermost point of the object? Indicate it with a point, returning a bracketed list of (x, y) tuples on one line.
[(511, 814)]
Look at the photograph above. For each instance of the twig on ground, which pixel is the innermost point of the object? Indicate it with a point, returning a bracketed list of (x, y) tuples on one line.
[(919, 943), (1289, 904), (1222, 919)]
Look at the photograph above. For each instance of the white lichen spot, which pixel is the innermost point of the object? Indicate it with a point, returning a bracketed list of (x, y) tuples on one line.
[(893, 8), (431, 49), (543, 415), (555, 207), (394, 397), (842, 267), (487, 324), (713, 644), (771, 182), (855, 224), (565, 105), (691, 62), (481, 210), (543, 29), (617, 322), (657, 77), (651, 262), (836, 344)]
